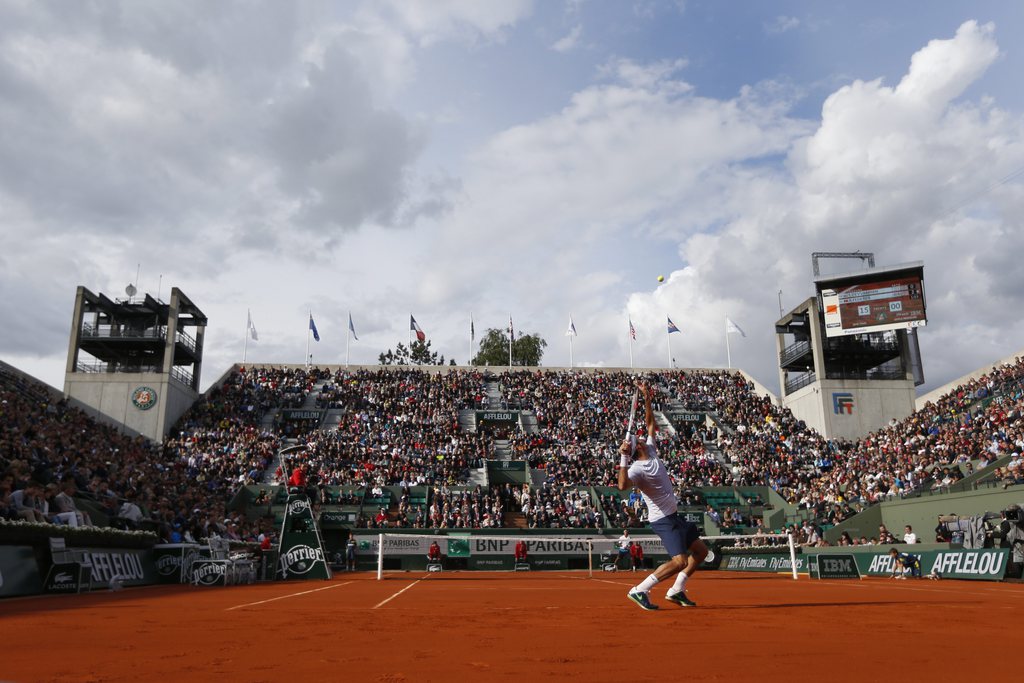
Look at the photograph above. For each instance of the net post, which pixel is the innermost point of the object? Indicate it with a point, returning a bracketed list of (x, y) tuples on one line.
[(590, 558), (380, 556), (792, 555)]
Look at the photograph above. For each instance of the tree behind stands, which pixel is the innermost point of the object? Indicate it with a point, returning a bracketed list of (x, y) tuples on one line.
[(527, 349)]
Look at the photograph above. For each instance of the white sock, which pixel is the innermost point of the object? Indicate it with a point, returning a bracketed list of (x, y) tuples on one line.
[(646, 585), (679, 585)]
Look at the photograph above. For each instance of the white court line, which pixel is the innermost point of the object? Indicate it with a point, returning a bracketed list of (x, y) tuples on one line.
[(290, 595), (386, 601), (614, 583)]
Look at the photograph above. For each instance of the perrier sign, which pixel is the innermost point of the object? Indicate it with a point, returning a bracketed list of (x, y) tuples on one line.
[(301, 553)]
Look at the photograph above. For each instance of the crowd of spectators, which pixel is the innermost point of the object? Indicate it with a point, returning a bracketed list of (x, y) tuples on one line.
[(400, 427), (931, 449), (59, 465)]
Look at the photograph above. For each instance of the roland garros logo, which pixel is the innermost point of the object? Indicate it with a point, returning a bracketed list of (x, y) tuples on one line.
[(297, 506), (301, 558), (144, 398)]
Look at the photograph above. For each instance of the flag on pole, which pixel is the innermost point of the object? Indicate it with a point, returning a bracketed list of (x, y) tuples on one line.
[(571, 332), (251, 327), (312, 326), (511, 330), (733, 328), (415, 327), (632, 330), (472, 328), (671, 326), (352, 328)]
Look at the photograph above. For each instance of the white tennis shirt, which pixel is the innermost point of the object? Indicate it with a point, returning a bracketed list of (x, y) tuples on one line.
[(651, 477)]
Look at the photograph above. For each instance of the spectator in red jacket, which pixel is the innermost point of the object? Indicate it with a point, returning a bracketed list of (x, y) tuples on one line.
[(298, 478), (636, 555), (521, 552), (434, 553)]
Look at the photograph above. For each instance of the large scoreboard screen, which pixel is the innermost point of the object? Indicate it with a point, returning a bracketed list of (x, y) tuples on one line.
[(873, 301)]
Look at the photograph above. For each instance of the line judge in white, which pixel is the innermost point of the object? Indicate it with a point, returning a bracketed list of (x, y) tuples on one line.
[(681, 538)]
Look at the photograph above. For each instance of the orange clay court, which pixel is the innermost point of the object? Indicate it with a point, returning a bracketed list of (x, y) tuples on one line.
[(519, 627)]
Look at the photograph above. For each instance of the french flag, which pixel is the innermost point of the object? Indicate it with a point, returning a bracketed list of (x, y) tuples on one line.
[(415, 327)]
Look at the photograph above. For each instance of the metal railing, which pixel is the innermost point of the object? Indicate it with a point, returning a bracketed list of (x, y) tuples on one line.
[(794, 351), (800, 382), (186, 339), (123, 332), (181, 375)]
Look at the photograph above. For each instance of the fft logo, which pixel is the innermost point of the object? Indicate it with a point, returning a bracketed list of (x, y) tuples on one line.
[(842, 403)]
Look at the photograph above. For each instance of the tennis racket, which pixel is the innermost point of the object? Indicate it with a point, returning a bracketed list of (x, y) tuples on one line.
[(632, 413)]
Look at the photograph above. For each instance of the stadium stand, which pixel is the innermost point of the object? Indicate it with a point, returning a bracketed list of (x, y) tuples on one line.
[(402, 454)]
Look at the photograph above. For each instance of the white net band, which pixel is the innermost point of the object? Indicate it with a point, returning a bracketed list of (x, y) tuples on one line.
[(586, 551)]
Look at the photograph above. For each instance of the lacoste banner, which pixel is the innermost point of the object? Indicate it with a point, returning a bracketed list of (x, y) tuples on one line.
[(67, 577), (301, 553), (19, 574)]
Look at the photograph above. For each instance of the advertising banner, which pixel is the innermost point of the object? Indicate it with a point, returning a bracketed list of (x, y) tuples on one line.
[(206, 572), (67, 577), (467, 546), (764, 562), (19, 573), (987, 564), (301, 552), (834, 566), (174, 561), (131, 567), (955, 563)]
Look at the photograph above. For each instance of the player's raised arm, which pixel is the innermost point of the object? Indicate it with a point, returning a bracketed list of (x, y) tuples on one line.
[(645, 389), (625, 451)]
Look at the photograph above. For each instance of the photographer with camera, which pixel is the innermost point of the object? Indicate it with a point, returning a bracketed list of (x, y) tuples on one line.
[(1011, 535)]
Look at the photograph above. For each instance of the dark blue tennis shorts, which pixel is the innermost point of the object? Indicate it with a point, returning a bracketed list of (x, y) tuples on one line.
[(676, 534)]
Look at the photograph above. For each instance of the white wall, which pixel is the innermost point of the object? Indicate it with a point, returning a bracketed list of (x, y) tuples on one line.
[(875, 403), (108, 396)]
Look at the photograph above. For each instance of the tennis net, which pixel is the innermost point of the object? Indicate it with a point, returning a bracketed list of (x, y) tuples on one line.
[(454, 551)]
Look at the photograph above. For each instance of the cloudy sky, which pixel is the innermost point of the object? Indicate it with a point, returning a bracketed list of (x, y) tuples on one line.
[(453, 157)]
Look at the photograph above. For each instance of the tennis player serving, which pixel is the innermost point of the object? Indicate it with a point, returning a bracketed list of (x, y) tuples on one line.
[(680, 538)]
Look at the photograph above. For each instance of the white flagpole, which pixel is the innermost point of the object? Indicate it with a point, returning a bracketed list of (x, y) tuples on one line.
[(728, 351), (348, 338), (248, 324), (570, 352), (511, 335), (469, 362), (309, 319), (630, 333), (668, 338)]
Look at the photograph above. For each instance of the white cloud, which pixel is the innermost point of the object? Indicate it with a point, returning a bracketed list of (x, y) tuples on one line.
[(284, 174), (430, 21), (878, 174), (569, 41), (781, 24)]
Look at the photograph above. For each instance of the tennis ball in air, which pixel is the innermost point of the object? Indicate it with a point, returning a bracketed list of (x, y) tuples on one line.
[(661, 278)]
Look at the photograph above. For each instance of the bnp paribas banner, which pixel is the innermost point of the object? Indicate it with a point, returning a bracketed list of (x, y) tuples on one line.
[(467, 546), (300, 550)]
